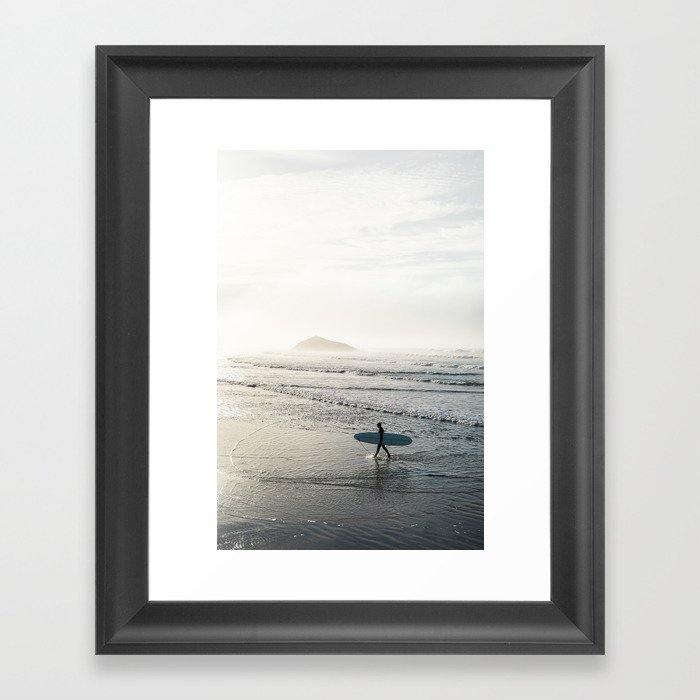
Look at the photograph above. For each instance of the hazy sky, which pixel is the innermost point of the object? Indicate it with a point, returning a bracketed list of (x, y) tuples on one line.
[(379, 249)]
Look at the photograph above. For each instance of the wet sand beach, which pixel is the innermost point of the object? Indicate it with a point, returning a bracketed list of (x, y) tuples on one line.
[(291, 476)]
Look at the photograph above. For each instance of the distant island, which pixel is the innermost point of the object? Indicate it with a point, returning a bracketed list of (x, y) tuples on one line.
[(318, 344)]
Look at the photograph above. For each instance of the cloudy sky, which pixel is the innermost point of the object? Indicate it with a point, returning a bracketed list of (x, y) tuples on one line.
[(379, 249)]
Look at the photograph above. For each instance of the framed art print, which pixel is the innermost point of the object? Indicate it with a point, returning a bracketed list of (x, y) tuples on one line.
[(349, 350)]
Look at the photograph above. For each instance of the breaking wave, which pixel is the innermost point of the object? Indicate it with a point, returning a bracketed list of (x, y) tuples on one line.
[(313, 395)]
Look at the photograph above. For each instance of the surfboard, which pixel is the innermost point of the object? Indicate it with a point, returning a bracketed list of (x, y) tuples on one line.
[(390, 439)]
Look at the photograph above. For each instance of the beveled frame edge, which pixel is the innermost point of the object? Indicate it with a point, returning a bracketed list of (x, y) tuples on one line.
[(126, 79)]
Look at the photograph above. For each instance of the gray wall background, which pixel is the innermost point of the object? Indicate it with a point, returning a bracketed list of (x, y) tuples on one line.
[(46, 372)]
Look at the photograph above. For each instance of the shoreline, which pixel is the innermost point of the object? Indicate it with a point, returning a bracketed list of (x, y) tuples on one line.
[(281, 486)]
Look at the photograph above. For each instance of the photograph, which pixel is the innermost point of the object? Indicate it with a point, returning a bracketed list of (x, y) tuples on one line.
[(350, 361)]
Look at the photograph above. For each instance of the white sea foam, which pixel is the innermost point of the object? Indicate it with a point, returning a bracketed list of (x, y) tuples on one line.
[(427, 386)]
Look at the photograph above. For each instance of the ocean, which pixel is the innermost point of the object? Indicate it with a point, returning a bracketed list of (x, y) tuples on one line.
[(291, 476)]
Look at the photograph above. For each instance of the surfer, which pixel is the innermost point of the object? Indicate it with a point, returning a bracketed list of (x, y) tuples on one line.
[(381, 441)]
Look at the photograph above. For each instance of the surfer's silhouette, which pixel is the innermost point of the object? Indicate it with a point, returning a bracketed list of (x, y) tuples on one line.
[(381, 441)]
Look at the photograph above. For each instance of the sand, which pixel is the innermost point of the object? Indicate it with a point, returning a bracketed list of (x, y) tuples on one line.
[(283, 487)]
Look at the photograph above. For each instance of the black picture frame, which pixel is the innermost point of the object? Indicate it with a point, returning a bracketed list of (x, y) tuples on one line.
[(571, 78)]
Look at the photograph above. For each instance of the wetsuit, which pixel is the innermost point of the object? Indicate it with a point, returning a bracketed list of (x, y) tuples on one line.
[(381, 442)]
